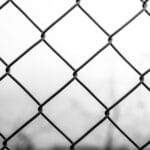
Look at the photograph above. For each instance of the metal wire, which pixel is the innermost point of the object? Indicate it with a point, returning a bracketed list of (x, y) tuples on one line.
[(144, 4)]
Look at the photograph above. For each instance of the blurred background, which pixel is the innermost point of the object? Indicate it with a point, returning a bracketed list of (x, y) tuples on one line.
[(74, 33)]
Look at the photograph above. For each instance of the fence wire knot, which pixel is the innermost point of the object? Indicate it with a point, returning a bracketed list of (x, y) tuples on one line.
[(7, 69), (40, 109)]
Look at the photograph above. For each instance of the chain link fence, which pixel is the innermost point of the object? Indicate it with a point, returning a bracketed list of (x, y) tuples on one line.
[(75, 74)]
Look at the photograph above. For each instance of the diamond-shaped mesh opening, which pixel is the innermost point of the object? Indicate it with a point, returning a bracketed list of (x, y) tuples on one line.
[(133, 42), (15, 108), (81, 105), (35, 135), (42, 63), (133, 115), (108, 76), (116, 12), (17, 33), (76, 37)]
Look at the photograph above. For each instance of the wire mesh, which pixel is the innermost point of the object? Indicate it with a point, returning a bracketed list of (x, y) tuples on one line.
[(75, 71)]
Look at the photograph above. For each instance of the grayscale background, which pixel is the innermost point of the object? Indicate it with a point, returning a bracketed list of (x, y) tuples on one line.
[(42, 71)]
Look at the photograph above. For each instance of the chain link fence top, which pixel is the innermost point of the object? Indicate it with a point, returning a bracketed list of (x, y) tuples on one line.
[(74, 74)]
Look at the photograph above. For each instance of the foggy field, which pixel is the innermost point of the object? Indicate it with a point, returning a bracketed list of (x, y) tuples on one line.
[(79, 80)]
